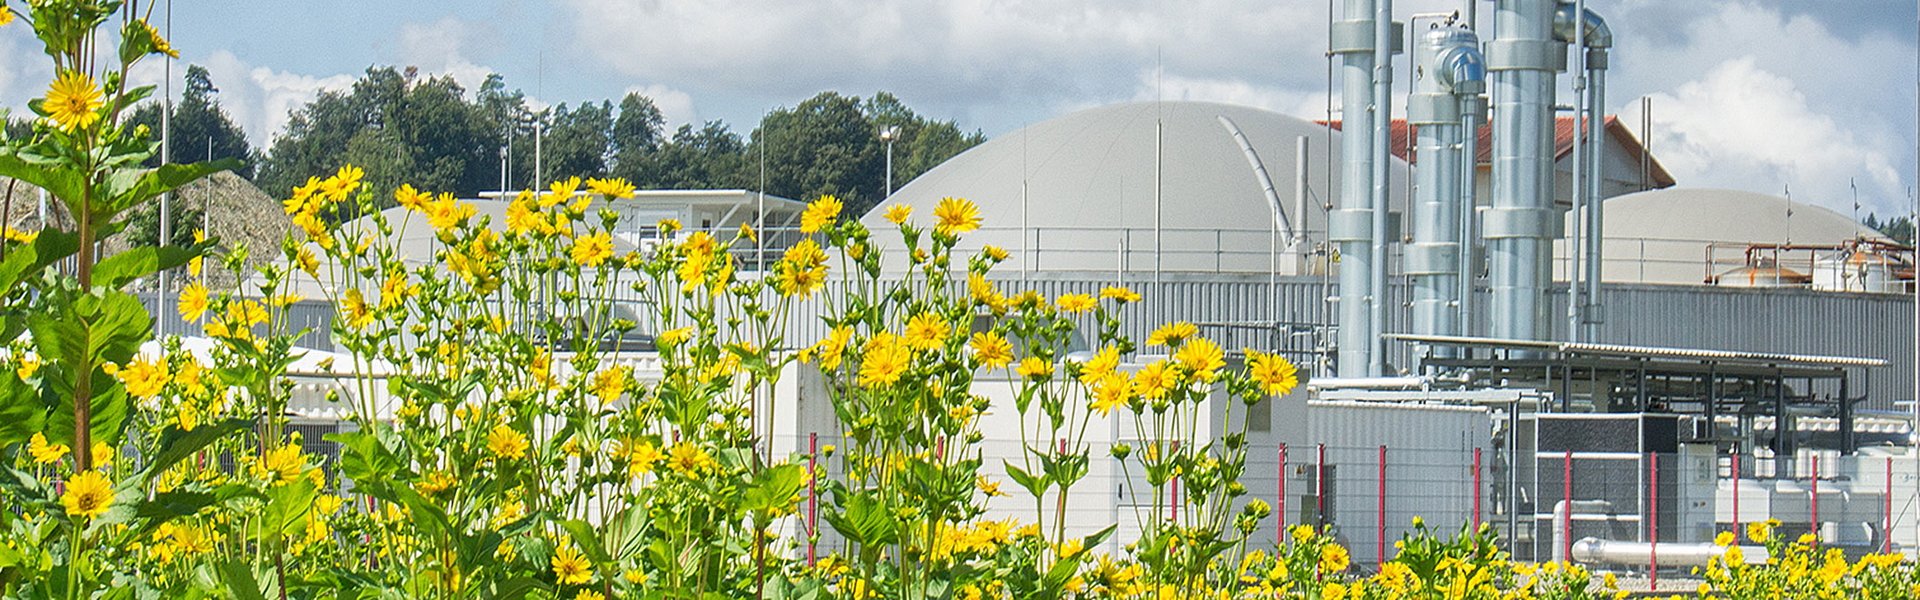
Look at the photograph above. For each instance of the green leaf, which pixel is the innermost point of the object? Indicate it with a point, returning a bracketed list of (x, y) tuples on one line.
[(61, 182), (176, 445), (126, 188), (774, 488), (22, 412), (587, 540), (288, 505), (120, 269), (1036, 485), (239, 581)]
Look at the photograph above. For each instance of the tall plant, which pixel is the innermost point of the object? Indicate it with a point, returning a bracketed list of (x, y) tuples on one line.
[(68, 311)]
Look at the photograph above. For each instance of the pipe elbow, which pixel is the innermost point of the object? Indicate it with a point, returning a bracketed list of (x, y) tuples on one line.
[(1589, 26), (1466, 70)]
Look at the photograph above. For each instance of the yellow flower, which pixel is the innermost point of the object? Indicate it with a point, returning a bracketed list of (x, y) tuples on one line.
[(984, 293), (29, 365), (883, 360), (522, 217), (1111, 391), (1034, 367), (610, 384), (803, 271), (991, 349), (589, 595), (926, 331), (193, 302), (994, 252), (73, 101), (1172, 333), (1100, 365), (102, 455), (343, 183), (829, 349), (160, 44), (1121, 293), (505, 442), (1076, 303), (306, 260), (1333, 591), (673, 337), (1724, 539), (820, 214), (570, 567), (668, 226), (144, 379), (641, 456), (592, 250), (987, 487), (447, 212), (956, 216), (1201, 358), (1333, 558), (746, 232), (1276, 376), (43, 452), (282, 465), (559, 191), (1759, 532), (688, 459), (898, 213), (6, 16), (88, 495), (612, 188)]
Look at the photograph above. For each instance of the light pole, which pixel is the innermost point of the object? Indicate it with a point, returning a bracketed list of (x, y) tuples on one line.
[(888, 134)]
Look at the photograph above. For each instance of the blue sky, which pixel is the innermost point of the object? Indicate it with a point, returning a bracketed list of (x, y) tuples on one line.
[(1749, 94)]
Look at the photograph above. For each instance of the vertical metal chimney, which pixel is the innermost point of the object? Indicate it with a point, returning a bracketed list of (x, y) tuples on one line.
[(1599, 38), (1355, 224), (1520, 224), (1449, 77)]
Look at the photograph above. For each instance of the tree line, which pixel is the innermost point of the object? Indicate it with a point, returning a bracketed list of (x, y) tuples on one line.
[(403, 127)]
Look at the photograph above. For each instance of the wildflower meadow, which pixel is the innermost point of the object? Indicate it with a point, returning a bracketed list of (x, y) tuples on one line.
[(519, 456)]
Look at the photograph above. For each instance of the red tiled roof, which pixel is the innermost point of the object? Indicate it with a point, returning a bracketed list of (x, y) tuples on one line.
[(1562, 143)]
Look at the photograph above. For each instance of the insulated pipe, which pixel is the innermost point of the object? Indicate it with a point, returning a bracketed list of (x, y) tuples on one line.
[(1260, 177), (1599, 551), (1383, 30), (1350, 225), (1473, 111), (1448, 69), (1563, 521), (1596, 213), (1591, 36), (1520, 224), (1577, 192)]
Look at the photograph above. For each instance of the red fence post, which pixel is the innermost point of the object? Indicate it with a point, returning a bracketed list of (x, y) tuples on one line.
[(1887, 530), (1380, 534), (1320, 489), (1280, 507), (1653, 520), (1476, 489), (1816, 500), (1736, 497), (1566, 495), (813, 497)]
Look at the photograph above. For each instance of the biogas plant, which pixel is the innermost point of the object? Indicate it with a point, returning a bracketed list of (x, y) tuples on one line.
[(1505, 310)]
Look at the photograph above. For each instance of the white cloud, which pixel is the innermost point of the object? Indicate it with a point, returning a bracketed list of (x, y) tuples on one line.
[(1742, 126), (956, 58), (438, 49), (676, 107), (260, 98), (1747, 97)]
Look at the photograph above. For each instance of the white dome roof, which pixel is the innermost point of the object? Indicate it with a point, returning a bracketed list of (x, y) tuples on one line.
[(1090, 188), (1663, 236)]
